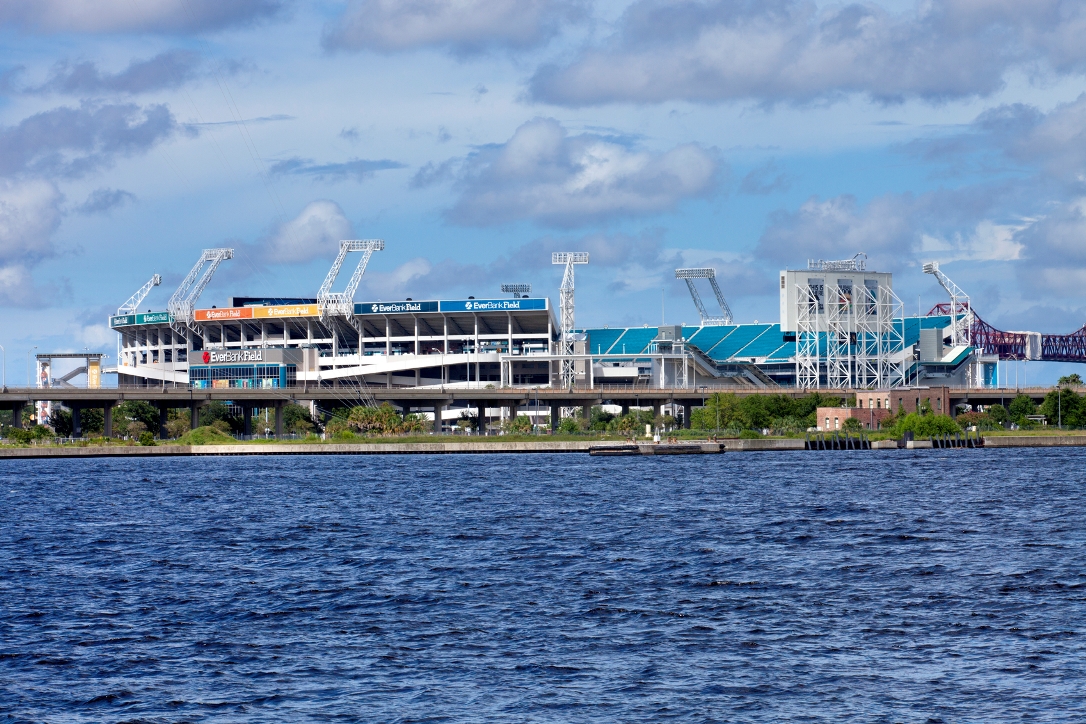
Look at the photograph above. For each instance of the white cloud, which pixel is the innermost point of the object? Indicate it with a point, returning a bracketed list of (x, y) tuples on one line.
[(545, 175), (314, 234), (463, 25), (29, 214), (792, 50), (113, 16)]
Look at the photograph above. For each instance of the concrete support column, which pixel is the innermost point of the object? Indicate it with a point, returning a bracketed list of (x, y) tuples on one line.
[(107, 413), (688, 407), (586, 411), (247, 421), (438, 409), (556, 414), (656, 408), (162, 417), (278, 419), (625, 409), (17, 415), (77, 423), (480, 410), (194, 416)]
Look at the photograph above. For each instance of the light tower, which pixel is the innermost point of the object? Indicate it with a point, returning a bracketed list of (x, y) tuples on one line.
[(689, 275), (132, 305), (565, 305), (517, 290), (183, 301), (342, 303), (961, 316)]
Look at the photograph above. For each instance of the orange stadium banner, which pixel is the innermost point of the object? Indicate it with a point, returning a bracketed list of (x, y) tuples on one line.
[(229, 314)]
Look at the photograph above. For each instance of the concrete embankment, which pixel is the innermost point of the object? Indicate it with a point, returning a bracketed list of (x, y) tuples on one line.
[(300, 449), (458, 447), (1035, 441)]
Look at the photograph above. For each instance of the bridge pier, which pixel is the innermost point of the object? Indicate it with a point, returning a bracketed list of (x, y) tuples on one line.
[(77, 423), (17, 415), (278, 419), (163, 416), (107, 413), (247, 422)]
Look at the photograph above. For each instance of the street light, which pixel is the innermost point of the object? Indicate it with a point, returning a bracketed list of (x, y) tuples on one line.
[(28, 364)]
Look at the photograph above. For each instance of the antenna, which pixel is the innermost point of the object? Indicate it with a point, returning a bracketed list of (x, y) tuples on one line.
[(184, 299), (565, 297), (133, 302), (342, 303), (961, 316), (517, 290), (689, 275)]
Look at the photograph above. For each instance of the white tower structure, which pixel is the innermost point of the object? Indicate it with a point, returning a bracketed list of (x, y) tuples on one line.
[(848, 325), (183, 301), (565, 305), (132, 305), (961, 315), (689, 275), (342, 303)]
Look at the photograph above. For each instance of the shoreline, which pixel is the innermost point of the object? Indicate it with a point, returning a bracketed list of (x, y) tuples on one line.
[(455, 448)]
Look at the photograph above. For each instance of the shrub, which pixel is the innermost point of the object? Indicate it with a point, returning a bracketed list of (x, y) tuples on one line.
[(925, 425), (147, 438), (20, 435), (206, 435), (569, 425), (521, 424)]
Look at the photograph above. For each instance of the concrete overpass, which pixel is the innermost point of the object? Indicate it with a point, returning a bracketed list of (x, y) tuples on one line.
[(419, 399)]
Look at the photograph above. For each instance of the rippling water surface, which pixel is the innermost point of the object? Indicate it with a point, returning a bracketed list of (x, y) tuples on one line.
[(874, 586)]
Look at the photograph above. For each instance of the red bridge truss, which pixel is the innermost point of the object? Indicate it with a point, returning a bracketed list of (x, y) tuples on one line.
[(1012, 345)]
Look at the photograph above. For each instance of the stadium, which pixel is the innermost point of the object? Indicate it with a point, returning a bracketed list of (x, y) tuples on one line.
[(841, 328)]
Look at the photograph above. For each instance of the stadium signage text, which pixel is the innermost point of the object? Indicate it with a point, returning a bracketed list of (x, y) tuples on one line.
[(213, 358), (493, 305), (456, 305), (272, 312), (127, 320), (394, 307)]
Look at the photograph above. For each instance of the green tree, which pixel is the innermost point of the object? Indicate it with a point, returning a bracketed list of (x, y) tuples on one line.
[(1020, 407), (1072, 379), (853, 425), (216, 414), (925, 425), (296, 419), (569, 425), (1064, 407), (519, 425), (998, 414)]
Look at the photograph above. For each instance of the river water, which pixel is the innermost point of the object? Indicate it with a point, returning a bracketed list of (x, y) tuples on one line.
[(912, 586)]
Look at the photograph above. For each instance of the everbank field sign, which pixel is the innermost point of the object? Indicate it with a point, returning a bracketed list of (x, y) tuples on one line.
[(225, 357)]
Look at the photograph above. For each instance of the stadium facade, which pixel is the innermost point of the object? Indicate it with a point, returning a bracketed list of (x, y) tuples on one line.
[(841, 327)]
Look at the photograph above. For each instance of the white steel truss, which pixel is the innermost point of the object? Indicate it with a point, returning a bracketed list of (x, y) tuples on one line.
[(892, 364), (183, 301), (807, 347), (689, 275), (131, 306), (342, 303), (961, 316), (565, 296), (867, 346), (838, 337)]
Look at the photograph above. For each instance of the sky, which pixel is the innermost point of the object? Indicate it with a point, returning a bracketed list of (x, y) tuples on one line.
[(478, 136)]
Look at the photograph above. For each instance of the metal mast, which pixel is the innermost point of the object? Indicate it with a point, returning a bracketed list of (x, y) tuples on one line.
[(689, 275), (565, 305), (342, 303), (183, 301), (961, 316), (133, 303), (517, 290)]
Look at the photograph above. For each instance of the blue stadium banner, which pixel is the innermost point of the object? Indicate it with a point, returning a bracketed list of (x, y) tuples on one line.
[(493, 305), (394, 307)]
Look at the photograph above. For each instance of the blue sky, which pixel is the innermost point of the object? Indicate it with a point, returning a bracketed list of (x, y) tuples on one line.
[(477, 136)]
